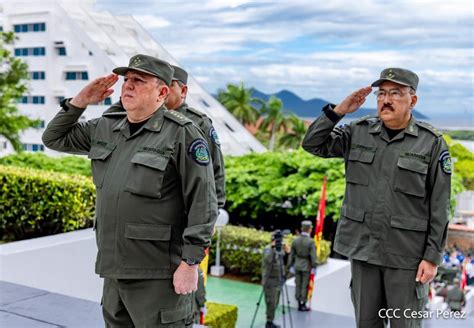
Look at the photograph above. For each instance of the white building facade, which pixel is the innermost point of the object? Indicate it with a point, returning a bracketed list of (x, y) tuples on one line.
[(66, 44)]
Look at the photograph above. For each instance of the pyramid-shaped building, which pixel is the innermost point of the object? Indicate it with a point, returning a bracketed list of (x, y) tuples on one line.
[(67, 43)]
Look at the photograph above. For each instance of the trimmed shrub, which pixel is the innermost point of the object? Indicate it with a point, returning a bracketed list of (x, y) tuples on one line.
[(242, 250), (37, 203), (220, 315), (65, 164)]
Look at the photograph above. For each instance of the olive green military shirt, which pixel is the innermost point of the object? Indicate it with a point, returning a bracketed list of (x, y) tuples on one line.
[(205, 123), (303, 253), (271, 270), (396, 203), (156, 202)]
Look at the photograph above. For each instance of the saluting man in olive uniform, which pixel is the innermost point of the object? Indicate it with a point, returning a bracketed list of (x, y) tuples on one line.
[(156, 201), (394, 216), (302, 261), (177, 101)]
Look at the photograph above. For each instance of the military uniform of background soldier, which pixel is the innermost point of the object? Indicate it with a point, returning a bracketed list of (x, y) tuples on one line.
[(394, 216), (176, 101), (302, 261), (455, 297), (273, 277), (156, 201)]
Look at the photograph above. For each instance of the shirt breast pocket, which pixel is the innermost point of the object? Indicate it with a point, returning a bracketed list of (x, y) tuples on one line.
[(146, 175), (359, 165), (411, 177), (99, 156)]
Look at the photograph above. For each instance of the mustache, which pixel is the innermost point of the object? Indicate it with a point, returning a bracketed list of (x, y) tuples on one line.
[(387, 107)]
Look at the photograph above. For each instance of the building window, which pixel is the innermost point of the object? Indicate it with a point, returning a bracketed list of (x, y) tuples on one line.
[(59, 99), (81, 75), (205, 103), (36, 51), (61, 51), (38, 75), (228, 126), (107, 101), (33, 147), (33, 27), (32, 100)]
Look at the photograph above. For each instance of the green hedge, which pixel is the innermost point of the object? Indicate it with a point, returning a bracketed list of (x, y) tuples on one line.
[(242, 249), (65, 164), (220, 315), (37, 203)]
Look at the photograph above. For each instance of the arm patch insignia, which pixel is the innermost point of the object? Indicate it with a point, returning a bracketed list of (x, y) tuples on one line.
[(445, 162), (199, 152), (213, 135)]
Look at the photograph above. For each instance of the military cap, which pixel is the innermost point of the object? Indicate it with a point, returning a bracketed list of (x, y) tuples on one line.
[(398, 75), (150, 65), (306, 224), (180, 74)]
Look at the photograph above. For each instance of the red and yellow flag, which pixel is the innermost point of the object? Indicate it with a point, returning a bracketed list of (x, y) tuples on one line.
[(318, 229), (463, 277), (204, 265), (318, 235)]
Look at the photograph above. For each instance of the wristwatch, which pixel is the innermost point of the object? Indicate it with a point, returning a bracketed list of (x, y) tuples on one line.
[(63, 104), (191, 261)]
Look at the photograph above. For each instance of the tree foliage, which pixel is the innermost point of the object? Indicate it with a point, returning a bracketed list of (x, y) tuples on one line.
[(282, 184), (274, 119), (239, 101), (13, 85), (296, 130)]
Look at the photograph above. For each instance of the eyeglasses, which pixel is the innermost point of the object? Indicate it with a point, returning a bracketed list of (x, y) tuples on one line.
[(395, 94)]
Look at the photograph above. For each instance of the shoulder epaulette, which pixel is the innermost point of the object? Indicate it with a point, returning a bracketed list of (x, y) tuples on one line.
[(114, 114), (366, 118), (429, 127), (196, 112), (116, 110), (177, 117)]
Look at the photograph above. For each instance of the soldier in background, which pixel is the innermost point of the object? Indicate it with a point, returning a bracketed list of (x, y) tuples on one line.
[(302, 261), (273, 275)]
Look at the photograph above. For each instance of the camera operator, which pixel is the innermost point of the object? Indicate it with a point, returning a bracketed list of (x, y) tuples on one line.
[(273, 275)]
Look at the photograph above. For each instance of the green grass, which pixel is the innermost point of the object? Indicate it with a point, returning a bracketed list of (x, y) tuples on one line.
[(242, 294)]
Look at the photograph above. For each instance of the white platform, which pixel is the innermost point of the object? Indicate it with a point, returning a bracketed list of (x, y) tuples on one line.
[(62, 263), (331, 289)]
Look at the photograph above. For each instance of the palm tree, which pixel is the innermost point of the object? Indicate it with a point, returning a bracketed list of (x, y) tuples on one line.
[(239, 101), (274, 118), (296, 132)]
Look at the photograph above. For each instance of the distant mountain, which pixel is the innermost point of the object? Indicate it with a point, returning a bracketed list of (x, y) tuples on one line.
[(311, 108)]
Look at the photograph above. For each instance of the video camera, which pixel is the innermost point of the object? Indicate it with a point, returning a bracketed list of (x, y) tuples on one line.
[(277, 236)]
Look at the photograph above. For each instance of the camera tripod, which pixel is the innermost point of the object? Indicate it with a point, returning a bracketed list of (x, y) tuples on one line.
[(278, 259)]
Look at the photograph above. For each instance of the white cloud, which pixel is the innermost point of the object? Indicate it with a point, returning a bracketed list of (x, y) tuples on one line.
[(151, 21), (317, 49)]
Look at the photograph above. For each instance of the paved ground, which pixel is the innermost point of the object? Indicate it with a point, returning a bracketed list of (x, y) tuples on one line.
[(27, 307)]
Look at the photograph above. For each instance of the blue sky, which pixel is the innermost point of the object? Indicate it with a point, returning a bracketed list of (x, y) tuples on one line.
[(323, 49)]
